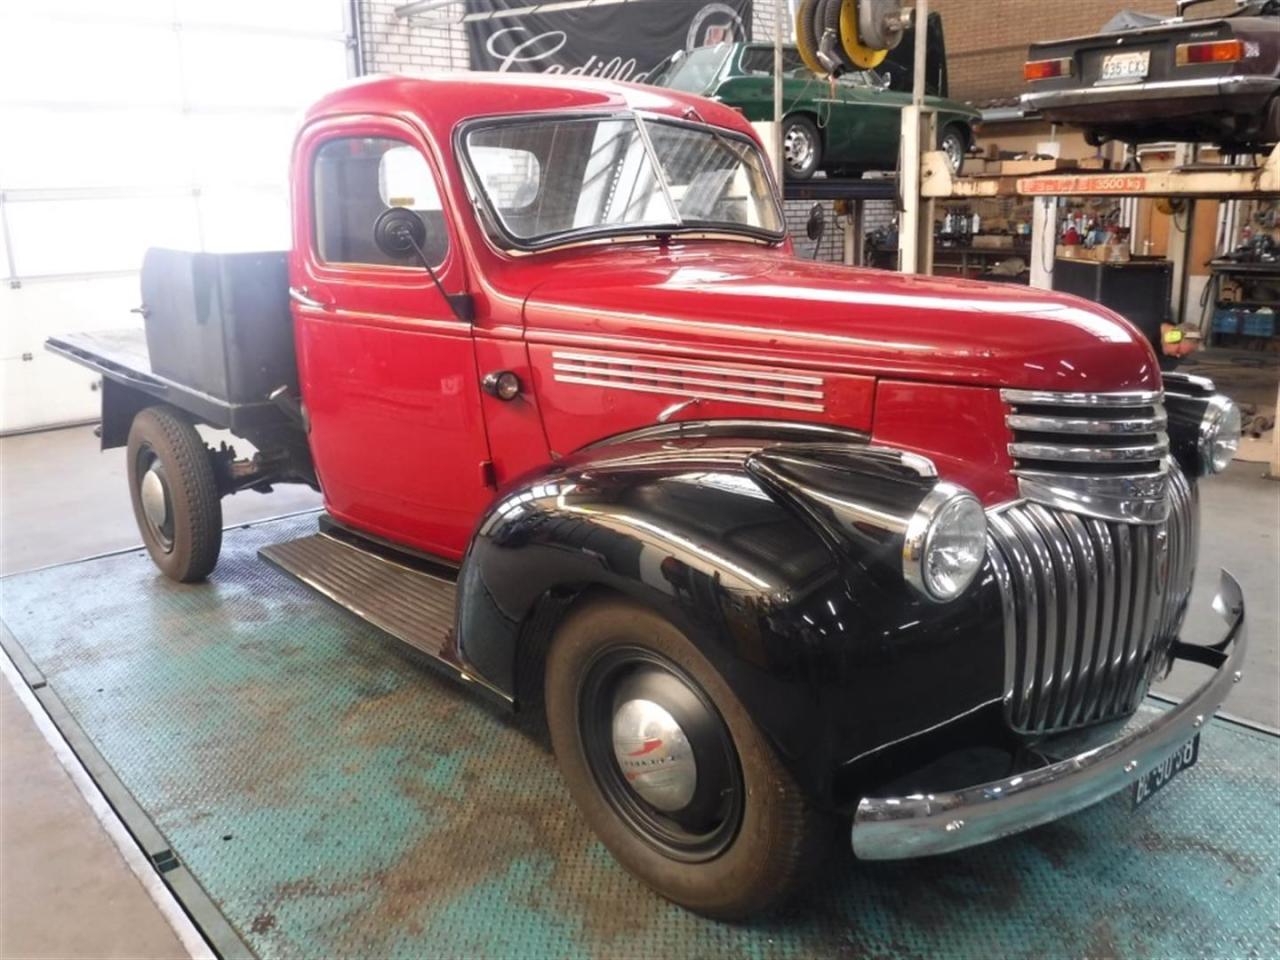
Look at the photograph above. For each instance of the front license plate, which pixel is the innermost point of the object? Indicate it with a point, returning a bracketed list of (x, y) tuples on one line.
[(1156, 780), (1123, 67)]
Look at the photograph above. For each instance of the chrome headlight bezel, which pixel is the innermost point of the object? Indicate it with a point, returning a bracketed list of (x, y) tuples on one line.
[(944, 502), (1219, 434)]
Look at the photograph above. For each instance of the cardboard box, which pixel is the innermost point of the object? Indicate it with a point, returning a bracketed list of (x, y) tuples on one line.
[(1025, 168), (992, 241), (1107, 253)]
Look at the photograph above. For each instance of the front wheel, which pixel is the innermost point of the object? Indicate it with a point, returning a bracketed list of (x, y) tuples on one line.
[(175, 494), (952, 143), (801, 147), (669, 769)]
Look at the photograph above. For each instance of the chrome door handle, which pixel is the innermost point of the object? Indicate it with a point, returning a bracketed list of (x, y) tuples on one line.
[(299, 295)]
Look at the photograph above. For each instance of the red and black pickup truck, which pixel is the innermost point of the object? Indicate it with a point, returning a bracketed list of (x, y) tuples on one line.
[(777, 545)]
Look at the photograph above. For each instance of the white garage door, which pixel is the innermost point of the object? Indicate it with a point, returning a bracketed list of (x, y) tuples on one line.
[(136, 123)]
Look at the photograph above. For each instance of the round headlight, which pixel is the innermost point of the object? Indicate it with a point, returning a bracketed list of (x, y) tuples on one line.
[(1219, 434), (946, 542)]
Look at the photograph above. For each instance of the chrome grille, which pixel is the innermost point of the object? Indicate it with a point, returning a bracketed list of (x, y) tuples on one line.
[(1090, 606), (1102, 454)]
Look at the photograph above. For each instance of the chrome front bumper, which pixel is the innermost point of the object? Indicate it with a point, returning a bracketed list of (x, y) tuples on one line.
[(892, 828)]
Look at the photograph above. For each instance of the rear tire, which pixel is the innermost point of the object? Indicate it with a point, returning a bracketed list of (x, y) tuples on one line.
[(953, 143), (175, 495), (724, 830), (801, 147)]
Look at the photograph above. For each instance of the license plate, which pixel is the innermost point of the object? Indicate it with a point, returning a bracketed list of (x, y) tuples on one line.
[(1122, 67), (1153, 781)]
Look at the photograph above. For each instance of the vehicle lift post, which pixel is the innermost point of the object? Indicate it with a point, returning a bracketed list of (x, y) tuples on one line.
[(915, 226)]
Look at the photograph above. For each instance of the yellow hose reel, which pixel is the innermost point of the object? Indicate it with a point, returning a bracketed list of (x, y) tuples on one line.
[(833, 36), (862, 56)]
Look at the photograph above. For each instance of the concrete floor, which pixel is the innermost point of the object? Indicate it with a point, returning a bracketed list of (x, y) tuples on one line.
[(1239, 532), (65, 890), (63, 499)]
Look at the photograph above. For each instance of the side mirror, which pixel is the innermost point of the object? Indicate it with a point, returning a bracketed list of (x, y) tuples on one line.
[(399, 233), (816, 224)]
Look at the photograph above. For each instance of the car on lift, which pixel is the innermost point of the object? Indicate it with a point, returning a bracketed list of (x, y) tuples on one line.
[(1147, 78), (776, 545), (846, 125)]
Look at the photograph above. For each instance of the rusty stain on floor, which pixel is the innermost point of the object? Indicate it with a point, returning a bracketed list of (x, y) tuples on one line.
[(335, 797)]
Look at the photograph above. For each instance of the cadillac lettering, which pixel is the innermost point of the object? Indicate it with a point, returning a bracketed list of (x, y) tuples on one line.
[(784, 551)]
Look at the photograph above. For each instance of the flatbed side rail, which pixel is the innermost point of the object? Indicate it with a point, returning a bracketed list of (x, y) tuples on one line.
[(129, 368)]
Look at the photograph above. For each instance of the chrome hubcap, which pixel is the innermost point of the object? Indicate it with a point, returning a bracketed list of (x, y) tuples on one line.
[(797, 148), (662, 757), (155, 499), (955, 153), (654, 755)]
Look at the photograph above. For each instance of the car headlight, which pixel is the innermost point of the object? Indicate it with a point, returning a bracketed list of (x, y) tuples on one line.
[(1219, 434), (946, 542)]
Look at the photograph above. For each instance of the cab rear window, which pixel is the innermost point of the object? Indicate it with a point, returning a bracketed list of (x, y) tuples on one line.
[(356, 179)]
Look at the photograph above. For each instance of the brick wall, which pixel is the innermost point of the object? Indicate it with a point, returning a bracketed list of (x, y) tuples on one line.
[(987, 40), (393, 45), (439, 42)]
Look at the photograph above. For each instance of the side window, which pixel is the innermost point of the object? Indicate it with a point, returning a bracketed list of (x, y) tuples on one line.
[(354, 180)]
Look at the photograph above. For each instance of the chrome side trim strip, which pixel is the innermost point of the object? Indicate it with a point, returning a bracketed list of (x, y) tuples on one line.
[(680, 380), (675, 390), (629, 363), (703, 381)]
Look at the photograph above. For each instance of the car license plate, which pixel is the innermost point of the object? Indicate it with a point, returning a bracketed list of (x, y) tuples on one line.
[(1123, 67), (1153, 781)]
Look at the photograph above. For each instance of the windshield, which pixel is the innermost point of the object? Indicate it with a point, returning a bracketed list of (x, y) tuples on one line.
[(696, 72), (549, 180)]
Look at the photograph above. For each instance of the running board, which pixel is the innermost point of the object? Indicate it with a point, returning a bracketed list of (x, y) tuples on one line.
[(409, 604)]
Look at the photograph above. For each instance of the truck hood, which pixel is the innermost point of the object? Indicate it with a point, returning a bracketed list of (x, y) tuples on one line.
[(733, 299)]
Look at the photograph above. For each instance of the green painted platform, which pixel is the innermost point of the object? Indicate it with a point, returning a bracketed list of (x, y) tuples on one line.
[(334, 797)]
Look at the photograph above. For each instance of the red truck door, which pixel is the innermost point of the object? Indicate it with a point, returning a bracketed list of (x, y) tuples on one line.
[(388, 373)]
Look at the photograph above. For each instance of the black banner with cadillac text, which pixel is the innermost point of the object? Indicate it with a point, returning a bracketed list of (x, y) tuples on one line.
[(616, 41)]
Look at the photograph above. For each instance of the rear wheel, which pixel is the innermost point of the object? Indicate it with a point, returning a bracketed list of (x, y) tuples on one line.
[(175, 495), (953, 143), (801, 147), (669, 769)]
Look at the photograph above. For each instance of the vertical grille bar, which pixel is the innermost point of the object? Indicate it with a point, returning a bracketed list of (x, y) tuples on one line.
[(1087, 645), (1067, 586), (1091, 607), (1101, 534), (1046, 626), (1026, 607), (1124, 618)]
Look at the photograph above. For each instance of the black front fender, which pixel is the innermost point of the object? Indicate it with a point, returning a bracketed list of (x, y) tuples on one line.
[(832, 653)]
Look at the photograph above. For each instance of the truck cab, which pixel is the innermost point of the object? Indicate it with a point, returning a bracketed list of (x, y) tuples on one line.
[(778, 547)]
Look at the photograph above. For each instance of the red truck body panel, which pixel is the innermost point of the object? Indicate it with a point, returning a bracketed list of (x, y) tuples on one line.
[(606, 336)]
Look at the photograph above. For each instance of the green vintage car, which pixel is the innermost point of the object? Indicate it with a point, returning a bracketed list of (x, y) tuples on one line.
[(844, 127)]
